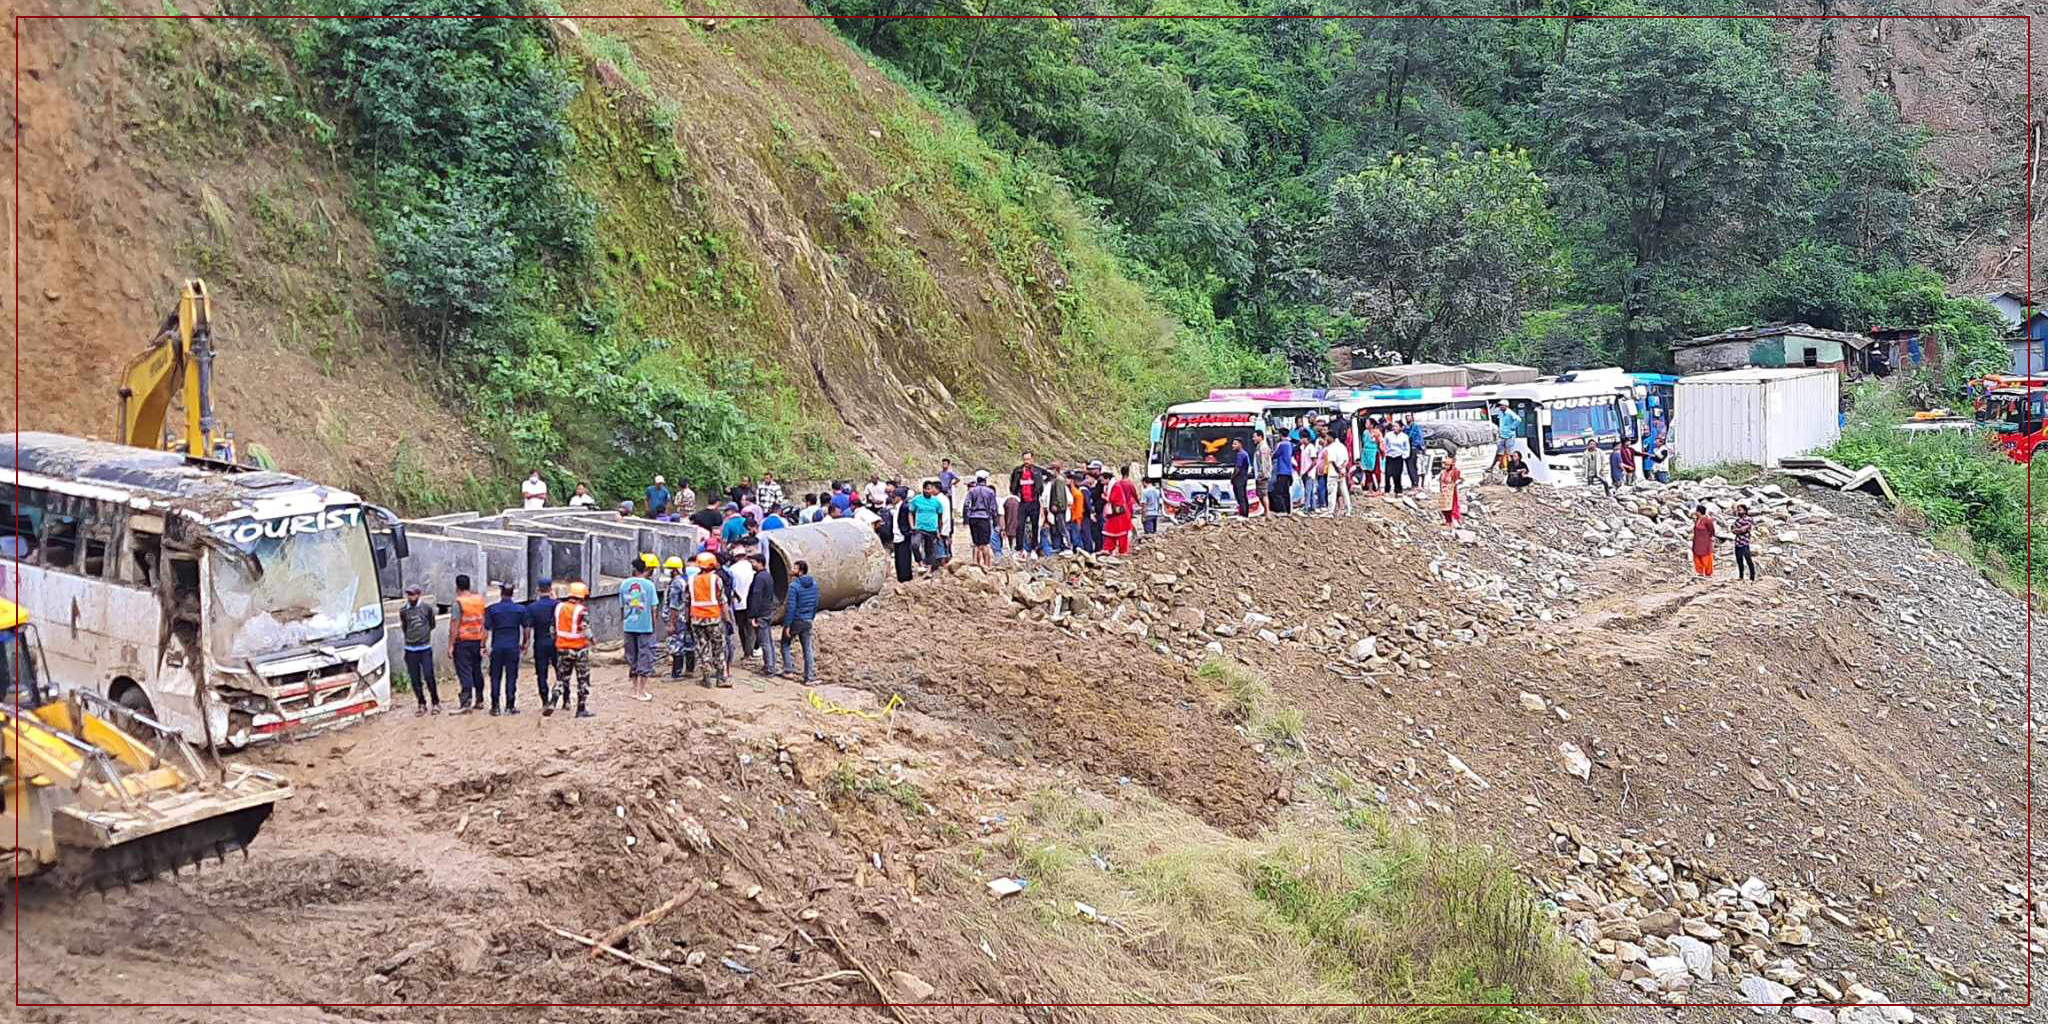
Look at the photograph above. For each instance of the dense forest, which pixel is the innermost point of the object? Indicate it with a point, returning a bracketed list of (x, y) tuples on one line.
[(1562, 191)]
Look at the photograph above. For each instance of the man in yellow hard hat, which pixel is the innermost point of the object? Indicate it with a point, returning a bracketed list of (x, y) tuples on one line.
[(675, 603), (572, 652), (709, 610)]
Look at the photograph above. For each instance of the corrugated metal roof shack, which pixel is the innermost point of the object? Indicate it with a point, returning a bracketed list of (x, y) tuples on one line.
[(1754, 416), (1771, 345)]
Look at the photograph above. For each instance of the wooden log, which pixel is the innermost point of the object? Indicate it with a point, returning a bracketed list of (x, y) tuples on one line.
[(611, 938), (627, 957)]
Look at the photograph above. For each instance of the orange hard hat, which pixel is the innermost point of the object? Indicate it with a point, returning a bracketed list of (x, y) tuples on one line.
[(707, 560), (578, 590)]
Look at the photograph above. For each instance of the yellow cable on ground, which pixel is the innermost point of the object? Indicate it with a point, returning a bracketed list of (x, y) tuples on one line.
[(825, 707)]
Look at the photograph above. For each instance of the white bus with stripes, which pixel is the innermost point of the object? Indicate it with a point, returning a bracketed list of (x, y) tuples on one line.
[(230, 604)]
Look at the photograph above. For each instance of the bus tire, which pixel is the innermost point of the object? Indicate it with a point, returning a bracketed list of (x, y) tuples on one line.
[(129, 695)]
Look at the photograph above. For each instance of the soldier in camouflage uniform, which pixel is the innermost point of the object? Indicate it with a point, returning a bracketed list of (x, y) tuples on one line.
[(572, 652)]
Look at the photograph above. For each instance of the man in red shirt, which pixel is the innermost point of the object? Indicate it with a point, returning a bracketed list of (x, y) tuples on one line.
[(1028, 483)]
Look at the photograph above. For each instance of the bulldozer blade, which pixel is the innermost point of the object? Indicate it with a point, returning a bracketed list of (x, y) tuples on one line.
[(143, 859)]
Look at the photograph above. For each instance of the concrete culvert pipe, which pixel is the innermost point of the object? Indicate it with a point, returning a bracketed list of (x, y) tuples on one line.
[(845, 556)]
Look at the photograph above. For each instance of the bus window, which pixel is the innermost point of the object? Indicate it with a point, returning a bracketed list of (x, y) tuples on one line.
[(60, 542), (19, 522)]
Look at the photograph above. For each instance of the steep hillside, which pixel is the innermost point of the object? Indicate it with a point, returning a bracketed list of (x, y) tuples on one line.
[(149, 154), (1965, 80), (784, 260)]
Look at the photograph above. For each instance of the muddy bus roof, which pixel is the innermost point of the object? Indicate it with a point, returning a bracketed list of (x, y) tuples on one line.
[(145, 470)]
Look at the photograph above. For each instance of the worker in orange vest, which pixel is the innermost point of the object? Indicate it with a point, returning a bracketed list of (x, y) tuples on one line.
[(572, 652), (466, 645), (708, 611)]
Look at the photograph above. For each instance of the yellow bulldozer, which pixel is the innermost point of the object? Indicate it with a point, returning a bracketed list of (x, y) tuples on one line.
[(100, 795)]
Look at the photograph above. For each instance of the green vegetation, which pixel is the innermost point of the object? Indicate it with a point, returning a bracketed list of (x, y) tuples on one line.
[(1956, 479), (459, 134), (1250, 702), (845, 781), (1368, 912), (1573, 192)]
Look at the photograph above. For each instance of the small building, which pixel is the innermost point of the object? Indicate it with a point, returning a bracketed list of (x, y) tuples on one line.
[(2029, 347), (1772, 345), (1902, 348), (2010, 304)]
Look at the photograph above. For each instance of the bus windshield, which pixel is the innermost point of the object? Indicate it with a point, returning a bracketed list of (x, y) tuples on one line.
[(1205, 440), (1571, 419), (2014, 413), (312, 580)]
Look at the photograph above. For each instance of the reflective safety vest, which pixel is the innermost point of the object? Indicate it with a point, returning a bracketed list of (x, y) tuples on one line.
[(572, 626), (706, 603), (469, 618)]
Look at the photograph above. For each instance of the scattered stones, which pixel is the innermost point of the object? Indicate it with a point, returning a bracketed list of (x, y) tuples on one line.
[(1576, 763), (1761, 992), (1532, 702)]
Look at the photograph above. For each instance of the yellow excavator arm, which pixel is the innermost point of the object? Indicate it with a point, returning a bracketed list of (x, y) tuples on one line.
[(177, 362)]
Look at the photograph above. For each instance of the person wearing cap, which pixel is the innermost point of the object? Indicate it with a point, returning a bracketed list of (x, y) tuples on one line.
[(416, 624), (506, 622), (675, 601), (658, 496), (572, 652), (540, 630), (638, 601), (709, 611), (980, 512)]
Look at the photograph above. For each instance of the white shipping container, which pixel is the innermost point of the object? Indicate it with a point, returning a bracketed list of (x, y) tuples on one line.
[(1754, 416)]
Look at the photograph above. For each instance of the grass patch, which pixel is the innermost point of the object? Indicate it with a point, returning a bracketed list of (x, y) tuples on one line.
[(1973, 497), (1305, 914), (1736, 473), (1250, 701), (846, 782)]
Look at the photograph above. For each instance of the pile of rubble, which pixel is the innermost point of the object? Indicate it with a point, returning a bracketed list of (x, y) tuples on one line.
[(1667, 925), (1659, 517), (1192, 612)]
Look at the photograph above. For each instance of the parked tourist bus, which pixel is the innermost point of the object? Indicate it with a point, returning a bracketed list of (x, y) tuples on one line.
[(1191, 442), (228, 603), (1556, 418), (1287, 407)]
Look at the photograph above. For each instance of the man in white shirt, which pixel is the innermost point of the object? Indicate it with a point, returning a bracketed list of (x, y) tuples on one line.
[(742, 571), (535, 491), (1337, 465), (877, 491)]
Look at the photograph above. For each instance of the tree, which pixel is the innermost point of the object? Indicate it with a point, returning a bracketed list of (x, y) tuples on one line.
[(1668, 137), (1439, 255)]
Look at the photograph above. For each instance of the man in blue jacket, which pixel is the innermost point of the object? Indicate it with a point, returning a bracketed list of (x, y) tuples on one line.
[(798, 609), (1283, 475)]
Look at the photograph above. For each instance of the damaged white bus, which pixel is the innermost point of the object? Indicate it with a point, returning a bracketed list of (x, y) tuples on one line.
[(231, 604)]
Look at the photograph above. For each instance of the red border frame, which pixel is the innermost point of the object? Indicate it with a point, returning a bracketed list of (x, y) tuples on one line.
[(2026, 289)]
